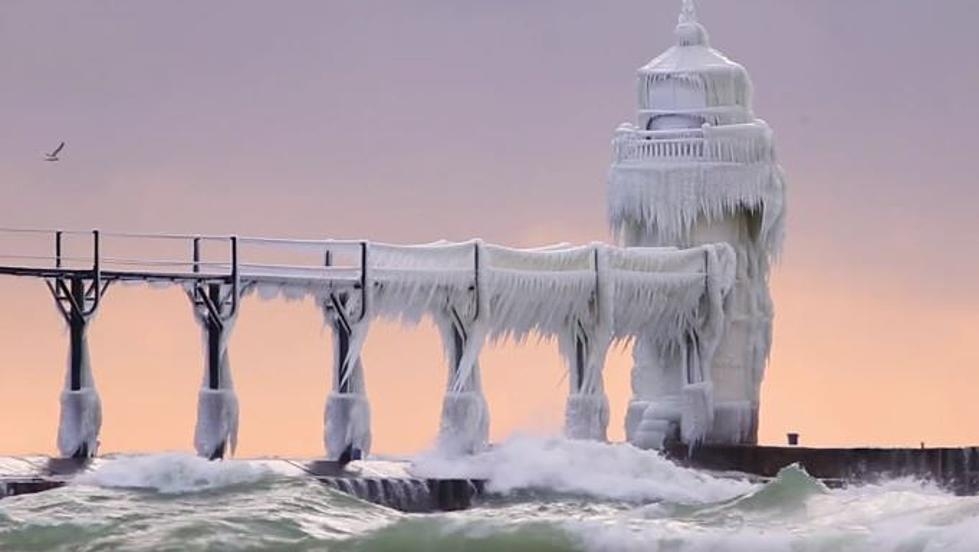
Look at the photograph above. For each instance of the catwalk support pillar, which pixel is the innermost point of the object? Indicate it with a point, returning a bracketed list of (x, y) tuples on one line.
[(585, 346), (78, 297), (347, 434), (464, 428), (216, 309), (586, 413)]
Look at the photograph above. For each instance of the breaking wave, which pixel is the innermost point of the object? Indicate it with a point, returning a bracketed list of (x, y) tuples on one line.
[(615, 472), (172, 473)]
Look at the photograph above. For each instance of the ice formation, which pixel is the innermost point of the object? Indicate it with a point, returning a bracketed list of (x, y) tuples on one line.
[(81, 413), (81, 409), (698, 167), (585, 297)]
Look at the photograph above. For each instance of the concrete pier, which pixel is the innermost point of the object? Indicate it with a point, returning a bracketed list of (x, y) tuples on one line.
[(955, 469), (380, 482), (389, 483)]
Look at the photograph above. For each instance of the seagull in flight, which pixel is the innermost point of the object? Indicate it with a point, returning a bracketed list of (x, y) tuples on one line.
[(53, 156)]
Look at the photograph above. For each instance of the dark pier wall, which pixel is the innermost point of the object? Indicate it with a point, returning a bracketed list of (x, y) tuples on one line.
[(956, 469)]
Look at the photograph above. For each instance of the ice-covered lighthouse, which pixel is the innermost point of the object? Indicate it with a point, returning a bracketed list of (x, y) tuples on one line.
[(697, 167)]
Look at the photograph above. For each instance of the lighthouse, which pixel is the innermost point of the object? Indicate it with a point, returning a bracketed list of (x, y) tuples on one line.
[(698, 167)]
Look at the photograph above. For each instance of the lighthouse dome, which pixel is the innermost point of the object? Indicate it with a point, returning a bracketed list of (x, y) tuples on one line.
[(692, 84)]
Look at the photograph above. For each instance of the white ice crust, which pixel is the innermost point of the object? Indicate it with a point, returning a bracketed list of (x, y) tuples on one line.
[(217, 409), (81, 410)]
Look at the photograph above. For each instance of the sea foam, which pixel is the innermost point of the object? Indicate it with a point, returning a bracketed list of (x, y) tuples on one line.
[(172, 473)]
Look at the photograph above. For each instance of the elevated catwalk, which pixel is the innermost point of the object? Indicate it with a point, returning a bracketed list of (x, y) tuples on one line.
[(585, 299)]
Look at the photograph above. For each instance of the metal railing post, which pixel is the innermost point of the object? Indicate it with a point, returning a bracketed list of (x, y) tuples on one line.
[(57, 249)]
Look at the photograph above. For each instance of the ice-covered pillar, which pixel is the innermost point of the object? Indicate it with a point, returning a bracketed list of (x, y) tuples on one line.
[(586, 412), (585, 346), (81, 409), (216, 432), (464, 427), (347, 415)]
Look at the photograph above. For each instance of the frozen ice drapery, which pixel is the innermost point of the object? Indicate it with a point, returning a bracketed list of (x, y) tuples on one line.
[(660, 205), (216, 431)]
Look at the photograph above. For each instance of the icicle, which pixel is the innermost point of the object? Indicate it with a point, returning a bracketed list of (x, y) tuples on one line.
[(667, 202), (697, 416)]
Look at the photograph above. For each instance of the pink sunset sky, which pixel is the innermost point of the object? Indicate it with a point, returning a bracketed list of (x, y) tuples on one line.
[(418, 120)]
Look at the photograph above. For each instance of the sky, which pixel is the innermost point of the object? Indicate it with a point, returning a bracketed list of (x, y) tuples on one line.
[(418, 120)]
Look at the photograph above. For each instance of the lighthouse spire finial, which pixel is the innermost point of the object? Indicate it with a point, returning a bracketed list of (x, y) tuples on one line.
[(688, 14)]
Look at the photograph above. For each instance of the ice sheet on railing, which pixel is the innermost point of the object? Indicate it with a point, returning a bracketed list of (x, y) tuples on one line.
[(410, 281), (668, 292), (666, 304), (659, 259), (537, 290)]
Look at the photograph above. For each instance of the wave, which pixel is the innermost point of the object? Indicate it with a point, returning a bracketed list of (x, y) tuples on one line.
[(586, 497), (172, 473), (616, 472)]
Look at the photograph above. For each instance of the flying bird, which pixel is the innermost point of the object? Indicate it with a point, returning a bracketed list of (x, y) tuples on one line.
[(53, 156)]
